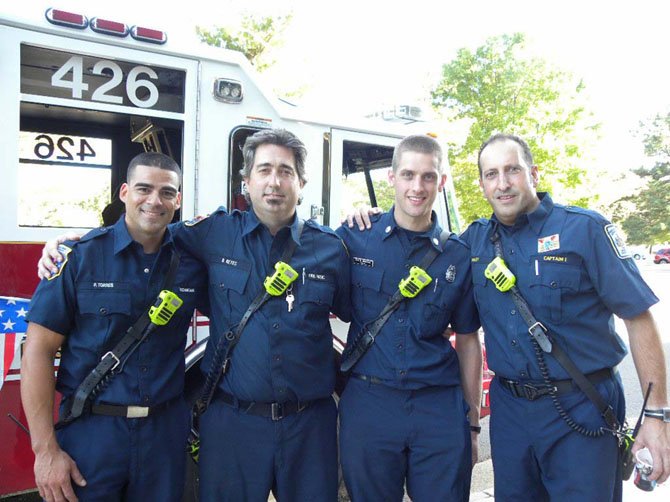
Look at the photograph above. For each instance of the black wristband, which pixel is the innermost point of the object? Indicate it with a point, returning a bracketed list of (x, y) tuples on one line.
[(476, 428)]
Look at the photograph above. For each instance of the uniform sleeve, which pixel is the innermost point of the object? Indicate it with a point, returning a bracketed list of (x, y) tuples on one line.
[(617, 280), (342, 302), (194, 236), (54, 303), (466, 317)]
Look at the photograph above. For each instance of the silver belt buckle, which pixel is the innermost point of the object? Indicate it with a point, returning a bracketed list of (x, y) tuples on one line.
[(137, 412)]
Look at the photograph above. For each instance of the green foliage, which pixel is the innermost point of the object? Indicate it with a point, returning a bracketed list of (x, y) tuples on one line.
[(496, 89), (644, 215), (254, 38)]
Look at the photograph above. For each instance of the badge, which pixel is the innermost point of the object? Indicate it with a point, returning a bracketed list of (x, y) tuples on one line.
[(195, 221), (618, 243), (549, 243), (64, 252), (450, 274)]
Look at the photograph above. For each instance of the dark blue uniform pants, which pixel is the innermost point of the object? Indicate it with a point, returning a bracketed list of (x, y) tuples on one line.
[(131, 459), (389, 436), (243, 457), (537, 457)]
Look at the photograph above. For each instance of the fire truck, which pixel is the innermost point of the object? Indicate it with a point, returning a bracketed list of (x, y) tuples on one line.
[(81, 95)]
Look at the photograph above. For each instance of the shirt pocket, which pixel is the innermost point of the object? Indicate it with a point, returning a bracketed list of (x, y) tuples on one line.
[(102, 313), (315, 299), (227, 286), (483, 287), (367, 291), (435, 313), (550, 284)]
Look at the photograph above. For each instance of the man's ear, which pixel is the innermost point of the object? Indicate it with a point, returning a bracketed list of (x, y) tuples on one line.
[(123, 192), (535, 175), (391, 176), (443, 180)]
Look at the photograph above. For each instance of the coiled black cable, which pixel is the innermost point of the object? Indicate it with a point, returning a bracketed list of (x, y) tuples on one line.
[(579, 428)]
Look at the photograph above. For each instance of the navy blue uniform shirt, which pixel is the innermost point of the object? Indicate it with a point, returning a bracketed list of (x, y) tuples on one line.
[(281, 356), (410, 351), (107, 283), (572, 269)]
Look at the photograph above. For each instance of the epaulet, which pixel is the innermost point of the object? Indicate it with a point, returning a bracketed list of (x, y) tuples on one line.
[(481, 221), (317, 226), (194, 221), (374, 218), (594, 215), (94, 234), (457, 238)]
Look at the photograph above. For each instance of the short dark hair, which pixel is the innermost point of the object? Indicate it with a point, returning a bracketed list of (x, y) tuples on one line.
[(419, 143), (153, 159), (279, 137), (525, 149)]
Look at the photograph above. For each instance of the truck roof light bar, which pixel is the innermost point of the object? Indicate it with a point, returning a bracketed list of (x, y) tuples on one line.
[(148, 35), (64, 18), (109, 27)]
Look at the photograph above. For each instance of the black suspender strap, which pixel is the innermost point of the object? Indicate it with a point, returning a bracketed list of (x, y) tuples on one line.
[(540, 335), (96, 381), (226, 344), (366, 337)]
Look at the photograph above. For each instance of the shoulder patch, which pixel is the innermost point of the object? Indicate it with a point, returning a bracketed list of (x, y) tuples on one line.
[(64, 251), (618, 243)]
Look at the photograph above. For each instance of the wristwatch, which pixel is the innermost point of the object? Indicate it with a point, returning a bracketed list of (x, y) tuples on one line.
[(661, 414)]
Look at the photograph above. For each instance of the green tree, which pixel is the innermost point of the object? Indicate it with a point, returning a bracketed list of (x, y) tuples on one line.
[(645, 215), (497, 89), (254, 37)]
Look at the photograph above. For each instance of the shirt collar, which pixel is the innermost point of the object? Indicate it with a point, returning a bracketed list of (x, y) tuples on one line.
[(390, 226), (251, 223), (123, 239)]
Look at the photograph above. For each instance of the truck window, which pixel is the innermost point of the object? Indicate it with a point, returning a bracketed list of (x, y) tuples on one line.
[(364, 176), (63, 180)]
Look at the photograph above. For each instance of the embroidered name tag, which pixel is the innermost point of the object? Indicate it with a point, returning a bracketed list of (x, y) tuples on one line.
[(103, 284), (316, 277), (229, 261), (365, 262)]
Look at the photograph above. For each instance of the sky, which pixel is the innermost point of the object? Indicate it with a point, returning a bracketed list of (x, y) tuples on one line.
[(364, 55)]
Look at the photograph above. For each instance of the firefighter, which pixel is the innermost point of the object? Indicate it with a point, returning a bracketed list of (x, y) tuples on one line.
[(271, 424), (128, 443), (549, 440), (404, 417)]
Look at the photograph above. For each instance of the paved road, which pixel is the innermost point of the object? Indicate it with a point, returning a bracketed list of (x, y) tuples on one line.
[(658, 277)]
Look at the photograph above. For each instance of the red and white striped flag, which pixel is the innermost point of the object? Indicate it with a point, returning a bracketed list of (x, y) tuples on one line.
[(12, 331)]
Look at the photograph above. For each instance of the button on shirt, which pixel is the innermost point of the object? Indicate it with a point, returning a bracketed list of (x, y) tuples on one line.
[(282, 355), (410, 351), (107, 283), (568, 268)]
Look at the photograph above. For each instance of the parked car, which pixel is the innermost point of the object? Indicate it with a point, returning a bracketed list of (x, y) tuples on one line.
[(662, 256)]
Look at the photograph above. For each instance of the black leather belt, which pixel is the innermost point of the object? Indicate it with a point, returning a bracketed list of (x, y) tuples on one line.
[(117, 410), (275, 411), (533, 391)]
